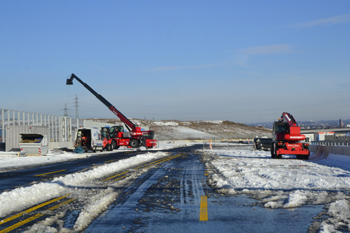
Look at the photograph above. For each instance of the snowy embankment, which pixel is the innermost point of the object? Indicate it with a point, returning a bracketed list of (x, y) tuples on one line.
[(284, 183), (21, 198), (172, 130)]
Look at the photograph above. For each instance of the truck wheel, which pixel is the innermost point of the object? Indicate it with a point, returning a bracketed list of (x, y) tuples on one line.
[(134, 143), (114, 145), (273, 151)]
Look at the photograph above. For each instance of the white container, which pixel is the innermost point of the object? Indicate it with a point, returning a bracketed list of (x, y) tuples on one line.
[(34, 144)]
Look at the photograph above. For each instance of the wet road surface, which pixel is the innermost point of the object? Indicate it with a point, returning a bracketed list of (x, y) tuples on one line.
[(170, 198)]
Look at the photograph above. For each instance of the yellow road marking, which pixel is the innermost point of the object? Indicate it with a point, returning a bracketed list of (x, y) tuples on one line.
[(31, 209), (162, 160), (116, 175), (21, 223), (51, 172), (143, 166), (61, 204), (203, 215), (110, 161), (119, 178)]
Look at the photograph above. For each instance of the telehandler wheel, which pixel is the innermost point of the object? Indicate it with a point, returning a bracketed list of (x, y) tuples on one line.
[(134, 143), (273, 151), (114, 145)]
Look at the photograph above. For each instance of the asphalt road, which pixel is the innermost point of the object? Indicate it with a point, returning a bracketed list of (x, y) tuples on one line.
[(170, 198)]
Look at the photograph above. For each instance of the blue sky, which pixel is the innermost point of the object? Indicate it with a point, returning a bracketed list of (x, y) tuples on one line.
[(243, 61)]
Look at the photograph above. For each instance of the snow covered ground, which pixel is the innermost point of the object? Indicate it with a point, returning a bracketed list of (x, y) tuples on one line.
[(285, 183), (274, 183)]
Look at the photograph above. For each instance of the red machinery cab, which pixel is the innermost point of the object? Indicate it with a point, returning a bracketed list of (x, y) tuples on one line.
[(286, 139), (116, 136)]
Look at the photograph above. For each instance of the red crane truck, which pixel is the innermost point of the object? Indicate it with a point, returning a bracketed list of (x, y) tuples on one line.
[(135, 137), (286, 138)]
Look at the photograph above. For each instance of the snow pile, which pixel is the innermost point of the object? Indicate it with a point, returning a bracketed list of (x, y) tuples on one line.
[(25, 197), (262, 172), (99, 204), (284, 183), (339, 212)]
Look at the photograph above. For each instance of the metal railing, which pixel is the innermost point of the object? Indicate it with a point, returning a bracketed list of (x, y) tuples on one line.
[(331, 143), (60, 127)]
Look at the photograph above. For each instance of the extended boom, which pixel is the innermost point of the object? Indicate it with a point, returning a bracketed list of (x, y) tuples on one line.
[(138, 137)]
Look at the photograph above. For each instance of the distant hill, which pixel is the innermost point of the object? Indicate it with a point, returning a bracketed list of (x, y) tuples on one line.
[(174, 129)]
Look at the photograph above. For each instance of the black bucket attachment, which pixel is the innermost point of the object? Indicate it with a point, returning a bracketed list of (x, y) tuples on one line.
[(69, 81)]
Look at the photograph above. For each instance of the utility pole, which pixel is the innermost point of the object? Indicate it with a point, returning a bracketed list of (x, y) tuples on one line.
[(65, 110), (76, 111)]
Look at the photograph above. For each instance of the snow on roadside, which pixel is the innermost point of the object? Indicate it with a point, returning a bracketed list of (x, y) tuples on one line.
[(284, 183), (99, 204), (339, 212), (25, 197), (10, 161)]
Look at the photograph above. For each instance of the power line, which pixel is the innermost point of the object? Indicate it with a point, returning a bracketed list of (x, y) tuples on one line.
[(76, 107), (65, 110)]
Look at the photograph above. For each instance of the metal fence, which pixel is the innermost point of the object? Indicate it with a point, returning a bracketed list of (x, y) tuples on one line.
[(60, 127), (331, 143)]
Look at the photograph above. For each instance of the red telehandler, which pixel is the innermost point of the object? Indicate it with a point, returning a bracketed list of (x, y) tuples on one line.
[(286, 138), (116, 136)]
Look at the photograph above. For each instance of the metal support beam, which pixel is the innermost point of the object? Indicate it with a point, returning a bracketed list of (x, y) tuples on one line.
[(3, 124)]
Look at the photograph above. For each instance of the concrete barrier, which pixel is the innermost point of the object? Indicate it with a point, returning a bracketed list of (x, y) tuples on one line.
[(324, 151), (53, 145)]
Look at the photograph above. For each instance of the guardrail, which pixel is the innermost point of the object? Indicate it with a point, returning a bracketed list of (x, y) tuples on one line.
[(331, 143)]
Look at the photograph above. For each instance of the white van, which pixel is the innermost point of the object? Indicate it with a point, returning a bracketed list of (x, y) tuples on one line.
[(89, 139)]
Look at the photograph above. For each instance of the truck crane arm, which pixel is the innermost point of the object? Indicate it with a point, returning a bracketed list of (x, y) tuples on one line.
[(289, 119), (129, 124)]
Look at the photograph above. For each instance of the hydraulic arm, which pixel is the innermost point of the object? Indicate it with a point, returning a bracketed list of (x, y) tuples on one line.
[(129, 124), (116, 136)]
